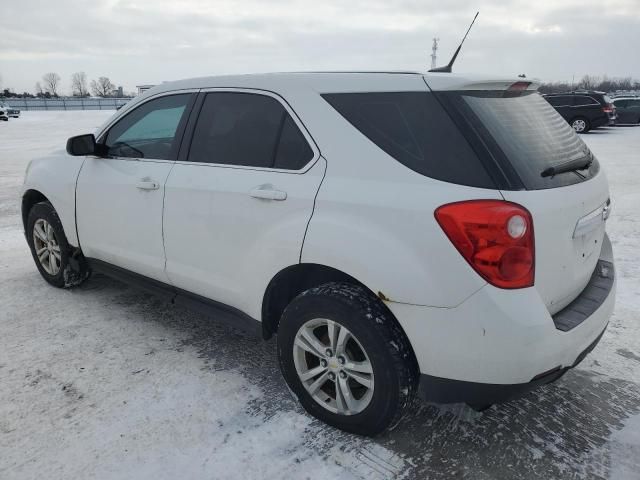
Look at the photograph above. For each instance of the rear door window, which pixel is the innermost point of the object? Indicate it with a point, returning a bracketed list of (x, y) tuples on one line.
[(561, 100), (414, 129), (250, 130), (581, 100)]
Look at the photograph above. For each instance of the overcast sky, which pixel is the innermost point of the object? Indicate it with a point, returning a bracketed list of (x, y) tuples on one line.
[(148, 41)]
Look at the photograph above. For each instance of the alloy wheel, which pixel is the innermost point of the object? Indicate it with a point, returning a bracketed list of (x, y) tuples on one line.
[(579, 125), (333, 366), (47, 247)]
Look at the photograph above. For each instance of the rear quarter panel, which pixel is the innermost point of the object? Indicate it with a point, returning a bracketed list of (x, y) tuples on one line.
[(374, 218)]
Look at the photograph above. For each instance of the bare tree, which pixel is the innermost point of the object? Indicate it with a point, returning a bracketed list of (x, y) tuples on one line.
[(102, 87), (79, 84), (39, 90), (51, 82), (590, 82)]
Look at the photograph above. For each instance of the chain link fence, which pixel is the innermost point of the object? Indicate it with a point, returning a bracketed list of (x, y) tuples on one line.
[(66, 103)]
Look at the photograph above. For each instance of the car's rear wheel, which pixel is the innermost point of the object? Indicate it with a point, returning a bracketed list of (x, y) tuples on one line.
[(346, 358), (580, 125), (56, 260)]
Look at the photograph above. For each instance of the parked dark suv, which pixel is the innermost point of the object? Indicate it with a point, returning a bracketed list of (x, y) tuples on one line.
[(627, 109), (584, 110)]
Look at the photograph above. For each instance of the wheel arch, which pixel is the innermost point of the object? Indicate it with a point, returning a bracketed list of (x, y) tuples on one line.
[(289, 282), (29, 199)]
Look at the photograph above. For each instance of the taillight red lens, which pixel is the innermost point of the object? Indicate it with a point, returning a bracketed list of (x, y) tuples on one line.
[(495, 237), (607, 109), (519, 86)]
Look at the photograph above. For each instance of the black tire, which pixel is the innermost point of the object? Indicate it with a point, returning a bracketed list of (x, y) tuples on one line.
[(392, 359), (73, 267), (587, 126)]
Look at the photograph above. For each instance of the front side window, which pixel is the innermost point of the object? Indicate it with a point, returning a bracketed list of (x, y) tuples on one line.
[(247, 129), (150, 130)]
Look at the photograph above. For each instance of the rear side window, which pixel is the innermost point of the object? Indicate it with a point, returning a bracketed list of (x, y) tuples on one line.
[(248, 130), (413, 128)]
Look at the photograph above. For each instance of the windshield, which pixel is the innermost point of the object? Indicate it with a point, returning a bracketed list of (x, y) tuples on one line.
[(527, 134)]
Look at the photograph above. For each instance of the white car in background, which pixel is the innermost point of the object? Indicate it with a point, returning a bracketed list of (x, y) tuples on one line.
[(401, 233), (7, 111)]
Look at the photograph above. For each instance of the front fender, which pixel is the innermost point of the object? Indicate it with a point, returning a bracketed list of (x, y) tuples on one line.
[(55, 177)]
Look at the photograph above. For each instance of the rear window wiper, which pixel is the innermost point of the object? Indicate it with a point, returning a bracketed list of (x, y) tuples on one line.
[(581, 164)]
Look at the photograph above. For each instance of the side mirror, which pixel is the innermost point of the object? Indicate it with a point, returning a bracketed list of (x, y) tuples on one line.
[(82, 145)]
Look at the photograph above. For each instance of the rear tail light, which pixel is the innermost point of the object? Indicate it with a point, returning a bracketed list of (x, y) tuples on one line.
[(519, 86), (495, 237), (607, 109)]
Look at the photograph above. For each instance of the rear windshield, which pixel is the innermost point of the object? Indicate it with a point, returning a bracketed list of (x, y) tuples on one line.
[(525, 135), (414, 129)]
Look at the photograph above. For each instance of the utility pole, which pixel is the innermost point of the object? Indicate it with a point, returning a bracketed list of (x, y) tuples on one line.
[(434, 48)]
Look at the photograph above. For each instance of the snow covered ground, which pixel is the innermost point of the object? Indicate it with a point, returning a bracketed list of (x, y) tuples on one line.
[(106, 382)]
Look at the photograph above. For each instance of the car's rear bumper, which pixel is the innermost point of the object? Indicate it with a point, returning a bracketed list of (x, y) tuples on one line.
[(444, 390), (498, 343)]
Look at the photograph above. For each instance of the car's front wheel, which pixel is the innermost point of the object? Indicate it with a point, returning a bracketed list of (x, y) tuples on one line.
[(346, 359), (54, 257)]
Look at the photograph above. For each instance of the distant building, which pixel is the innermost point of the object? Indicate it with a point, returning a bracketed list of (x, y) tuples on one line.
[(143, 88)]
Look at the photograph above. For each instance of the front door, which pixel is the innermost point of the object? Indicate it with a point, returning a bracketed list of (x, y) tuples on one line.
[(119, 197)]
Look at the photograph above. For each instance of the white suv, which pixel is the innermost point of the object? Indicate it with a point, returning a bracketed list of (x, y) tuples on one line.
[(401, 233)]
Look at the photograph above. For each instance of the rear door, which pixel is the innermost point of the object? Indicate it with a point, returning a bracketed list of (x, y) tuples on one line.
[(624, 114), (237, 207), (119, 197), (526, 136), (590, 108), (563, 105)]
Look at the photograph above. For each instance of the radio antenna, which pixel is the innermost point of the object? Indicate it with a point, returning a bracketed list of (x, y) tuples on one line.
[(447, 68)]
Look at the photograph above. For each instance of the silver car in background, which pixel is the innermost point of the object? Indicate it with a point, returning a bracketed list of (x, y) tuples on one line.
[(7, 111)]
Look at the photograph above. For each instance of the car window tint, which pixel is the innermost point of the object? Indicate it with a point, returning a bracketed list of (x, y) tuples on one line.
[(414, 129), (149, 131), (584, 100), (527, 134), (560, 100), (293, 151), (249, 130)]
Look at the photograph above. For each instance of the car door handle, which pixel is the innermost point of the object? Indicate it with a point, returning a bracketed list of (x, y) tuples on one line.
[(147, 185), (267, 192)]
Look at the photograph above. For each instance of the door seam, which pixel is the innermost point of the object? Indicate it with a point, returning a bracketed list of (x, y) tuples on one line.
[(313, 209)]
